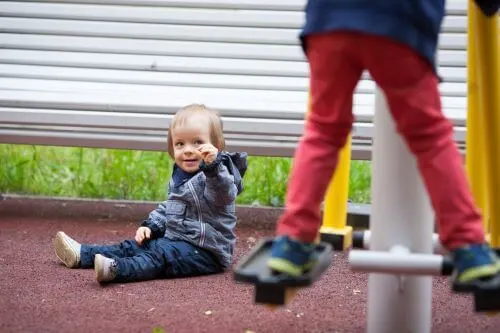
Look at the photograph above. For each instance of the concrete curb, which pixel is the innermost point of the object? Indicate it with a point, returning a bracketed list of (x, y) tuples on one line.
[(127, 210)]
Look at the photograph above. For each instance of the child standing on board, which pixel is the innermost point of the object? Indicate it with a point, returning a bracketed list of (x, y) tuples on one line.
[(192, 232), (395, 41)]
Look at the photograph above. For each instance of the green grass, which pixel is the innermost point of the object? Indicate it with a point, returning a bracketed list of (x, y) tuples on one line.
[(138, 175)]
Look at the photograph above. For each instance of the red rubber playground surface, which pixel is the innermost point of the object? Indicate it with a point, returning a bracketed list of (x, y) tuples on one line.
[(37, 294)]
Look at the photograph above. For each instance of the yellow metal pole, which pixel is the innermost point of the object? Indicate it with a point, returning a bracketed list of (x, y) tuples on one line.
[(334, 228), (474, 151), (487, 43), (335, 208)]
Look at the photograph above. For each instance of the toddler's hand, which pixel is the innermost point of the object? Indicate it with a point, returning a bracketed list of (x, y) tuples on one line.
[(208, 153), (141, 234)]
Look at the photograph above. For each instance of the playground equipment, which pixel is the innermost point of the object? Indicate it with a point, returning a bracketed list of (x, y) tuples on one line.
[(361, 240), (334, 229), (277, 289), (401, 259), (484, 115), (401, 221), (482, 136), (401, 239)]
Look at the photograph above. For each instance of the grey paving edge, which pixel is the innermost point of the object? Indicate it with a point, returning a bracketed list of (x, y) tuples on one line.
[(127, 210)]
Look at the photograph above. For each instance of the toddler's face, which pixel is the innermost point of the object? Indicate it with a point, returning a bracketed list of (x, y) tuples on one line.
[(186, 140)]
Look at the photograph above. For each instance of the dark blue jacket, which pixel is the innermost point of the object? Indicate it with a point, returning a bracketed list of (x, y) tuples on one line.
[(415, 23)]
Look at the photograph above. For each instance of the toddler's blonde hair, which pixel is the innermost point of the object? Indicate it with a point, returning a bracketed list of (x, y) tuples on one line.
[(214, 123)]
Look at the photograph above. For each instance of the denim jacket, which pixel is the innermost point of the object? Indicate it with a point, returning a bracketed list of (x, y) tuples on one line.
[(202, 209)]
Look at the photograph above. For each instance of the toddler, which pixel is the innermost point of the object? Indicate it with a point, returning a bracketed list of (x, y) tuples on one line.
[(192, 232)]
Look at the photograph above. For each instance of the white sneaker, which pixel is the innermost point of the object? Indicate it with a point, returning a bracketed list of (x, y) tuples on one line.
[(105, 268), (67, 250)]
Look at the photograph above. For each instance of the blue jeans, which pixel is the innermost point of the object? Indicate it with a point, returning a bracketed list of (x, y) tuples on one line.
[(154, 259)]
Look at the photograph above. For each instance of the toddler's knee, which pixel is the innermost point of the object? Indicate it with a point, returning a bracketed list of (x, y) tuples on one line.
[(335, 134), (426, 136)]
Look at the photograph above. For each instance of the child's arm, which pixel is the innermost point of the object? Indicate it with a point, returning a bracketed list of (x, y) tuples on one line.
[(156, 221), (220, 187)]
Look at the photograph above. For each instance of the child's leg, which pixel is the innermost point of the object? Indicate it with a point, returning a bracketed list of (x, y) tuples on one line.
[(411, 88), (162, 259), (335, 73), (127, 248), (74, 254), (335, 70)]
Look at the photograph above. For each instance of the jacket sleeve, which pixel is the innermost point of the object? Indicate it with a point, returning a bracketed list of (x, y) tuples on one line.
[(156, 221), (220, 187)]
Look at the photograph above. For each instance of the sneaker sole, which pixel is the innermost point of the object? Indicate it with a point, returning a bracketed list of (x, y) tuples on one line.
[(284, 266), (474, 283), (64, 251), (480, 272), (99, 268)]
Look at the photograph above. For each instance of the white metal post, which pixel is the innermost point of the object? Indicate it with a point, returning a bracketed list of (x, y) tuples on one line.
[(436, 243), (401, 216), (398, 260)]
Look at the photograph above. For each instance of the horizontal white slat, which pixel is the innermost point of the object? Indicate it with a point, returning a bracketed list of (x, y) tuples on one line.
[(152, 47), (100, 88), (261, 146), (154, 140), (188, 79), (156, 78), (177, 15), (454, 24), (82, 121), (154, 122), (456, 7), (135, 132), (453, 41), (172, 32), (453, 74), (66, 95), (138, 142), (145, 122), (294, 5), (150, 31), (173, 48), (157, 63), (148, 103), (242, 105), (169, 15), (453, 63), (452, 58), (453, 7), (295, 101)]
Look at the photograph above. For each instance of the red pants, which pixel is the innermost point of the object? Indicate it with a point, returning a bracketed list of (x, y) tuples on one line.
[(336, 62)]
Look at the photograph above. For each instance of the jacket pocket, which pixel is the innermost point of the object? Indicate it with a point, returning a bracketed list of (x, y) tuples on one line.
[(175, 213), (174, 207)]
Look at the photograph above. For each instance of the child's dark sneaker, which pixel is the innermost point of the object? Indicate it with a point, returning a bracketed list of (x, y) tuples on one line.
[(105, 268), (290, 256), (474, 264), (67, 250)]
